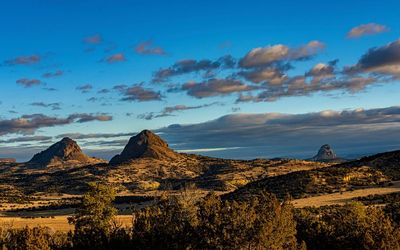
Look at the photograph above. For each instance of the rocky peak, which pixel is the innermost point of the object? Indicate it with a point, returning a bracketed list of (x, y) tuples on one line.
[(66, 148), (147, 139), (66, 151), (325, 153), (146, 144)]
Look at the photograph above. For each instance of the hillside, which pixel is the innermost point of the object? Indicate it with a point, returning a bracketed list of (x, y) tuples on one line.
[(388, 163), (372, 171)]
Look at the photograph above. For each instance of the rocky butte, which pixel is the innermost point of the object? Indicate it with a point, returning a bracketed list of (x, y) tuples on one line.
[(64, 152), (146, 144), (326, 154)]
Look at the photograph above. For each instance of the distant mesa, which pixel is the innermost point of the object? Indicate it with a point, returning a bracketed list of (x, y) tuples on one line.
[(146, 144), (64, 152), (7, 160), (326, 154)]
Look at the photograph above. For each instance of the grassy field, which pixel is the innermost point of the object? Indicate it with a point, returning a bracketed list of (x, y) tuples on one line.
[(58, 220), (59, 223), (343, 197)]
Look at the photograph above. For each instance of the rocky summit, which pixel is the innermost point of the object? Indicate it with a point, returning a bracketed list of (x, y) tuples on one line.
[(64, 152), (146, 144), (325, 153)]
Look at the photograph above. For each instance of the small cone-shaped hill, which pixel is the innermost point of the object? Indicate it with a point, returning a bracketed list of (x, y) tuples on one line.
[(66, 151), (146, 144), (325, 153)]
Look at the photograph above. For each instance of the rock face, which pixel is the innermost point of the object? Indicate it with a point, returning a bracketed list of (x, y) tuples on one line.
[(64, 152), (7, 160), (146, 144), (325, 153)]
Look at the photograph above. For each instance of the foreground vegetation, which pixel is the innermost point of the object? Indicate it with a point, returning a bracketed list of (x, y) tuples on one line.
[(182, 222)]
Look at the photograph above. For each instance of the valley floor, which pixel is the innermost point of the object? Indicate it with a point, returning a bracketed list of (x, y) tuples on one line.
[(57, 220)]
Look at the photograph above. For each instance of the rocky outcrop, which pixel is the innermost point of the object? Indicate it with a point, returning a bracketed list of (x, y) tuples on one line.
[(325, 154), (146, 144), (64, 152)]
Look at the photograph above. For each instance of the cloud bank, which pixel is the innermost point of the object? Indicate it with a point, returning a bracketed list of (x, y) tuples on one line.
[(357, 131)]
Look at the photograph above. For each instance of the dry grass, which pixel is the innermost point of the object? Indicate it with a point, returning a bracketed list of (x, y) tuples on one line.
[(342, 198), (58, 223)]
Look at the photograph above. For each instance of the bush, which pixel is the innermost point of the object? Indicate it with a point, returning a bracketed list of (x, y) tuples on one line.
[(352, 226), (179, 223)]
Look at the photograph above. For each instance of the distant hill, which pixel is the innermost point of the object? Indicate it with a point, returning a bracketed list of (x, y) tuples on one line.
[(64, 152), (388, 163), (369, 171)]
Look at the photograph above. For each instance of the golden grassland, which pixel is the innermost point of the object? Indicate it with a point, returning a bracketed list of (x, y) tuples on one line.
[(341, 198), (56, 223), (57, 219), (150, 178)]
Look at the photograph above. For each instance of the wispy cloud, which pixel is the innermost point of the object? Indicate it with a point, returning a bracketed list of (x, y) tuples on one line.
[(137, 93), (27, 83), (84, 117), (77, 136), (53, 106), (193, 66), (216, 87), (53, 74), (40, 138), (86, 88), (119, 57), (367, 29), (168, 111), (301, 86), (95, 39), (23, 60), (147, 48)]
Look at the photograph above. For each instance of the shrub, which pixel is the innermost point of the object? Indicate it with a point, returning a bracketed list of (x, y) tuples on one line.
[(178, 223), (37, 238), (352, 226)]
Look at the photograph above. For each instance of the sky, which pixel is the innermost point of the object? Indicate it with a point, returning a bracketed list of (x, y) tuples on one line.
[(231, 79)]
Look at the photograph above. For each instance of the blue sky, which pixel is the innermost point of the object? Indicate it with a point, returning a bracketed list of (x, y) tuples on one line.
[(88, 46)]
